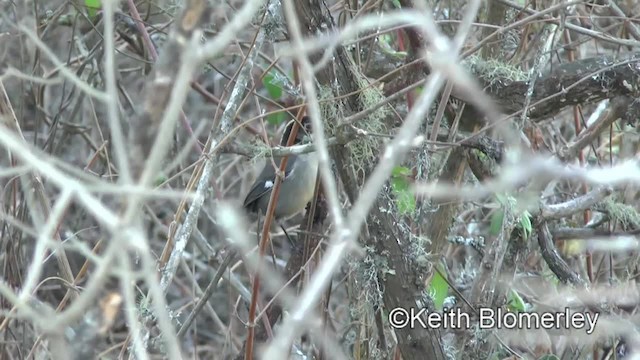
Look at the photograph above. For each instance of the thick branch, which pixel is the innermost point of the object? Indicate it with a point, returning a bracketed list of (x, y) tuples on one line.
[(400, 291), (573, 206), (580, 82), (553, 259), (586, 233), (583, 81)]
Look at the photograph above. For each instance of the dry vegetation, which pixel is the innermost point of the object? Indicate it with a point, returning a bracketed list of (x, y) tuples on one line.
[(474, 154)]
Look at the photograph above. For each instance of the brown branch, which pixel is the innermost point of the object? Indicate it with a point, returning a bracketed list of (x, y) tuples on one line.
[(614, 111), (440, 222), (573, 206), (314, 222), (204, 298), (264, 241), (161, 83), (553, 258), (483, 293), (401, 289), (8, 119), (584, 81), (568, 233), (579, 82), (570, 26)]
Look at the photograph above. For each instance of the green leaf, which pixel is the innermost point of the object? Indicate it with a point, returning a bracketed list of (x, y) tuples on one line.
[(515, 302), (525, 223), (386, 42), (399, 184), (92, 7), (406, 202), (396, 4), (506, 199), (400, 187), (160, 179), (400, 171), (438, 288), (496, 222), (276, 119), (274, 90)]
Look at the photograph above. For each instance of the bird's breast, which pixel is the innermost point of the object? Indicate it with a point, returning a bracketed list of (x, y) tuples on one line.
[(299, 187)]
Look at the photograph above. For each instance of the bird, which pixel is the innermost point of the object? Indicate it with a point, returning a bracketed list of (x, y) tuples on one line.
[(298, 184)]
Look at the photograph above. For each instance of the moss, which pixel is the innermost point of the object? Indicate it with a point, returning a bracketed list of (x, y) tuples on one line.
[(365, 150), (367, 270), (421, 258), (494, 72), (480, 155), (329, 110), (625, 214), (260, 152)]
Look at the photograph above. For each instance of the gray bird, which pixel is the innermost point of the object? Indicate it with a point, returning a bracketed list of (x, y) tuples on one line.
[(299, 180)]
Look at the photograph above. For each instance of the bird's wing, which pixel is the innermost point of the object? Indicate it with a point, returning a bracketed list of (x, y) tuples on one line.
[(266, 180)]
